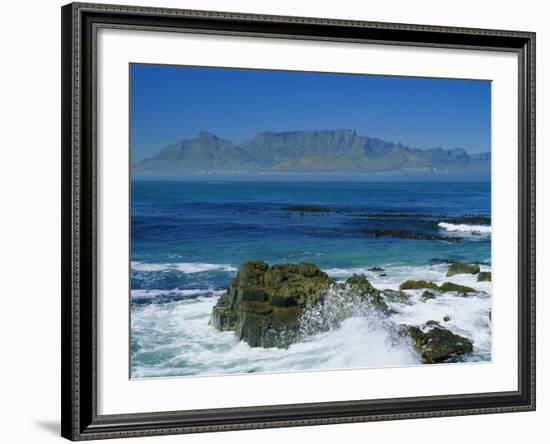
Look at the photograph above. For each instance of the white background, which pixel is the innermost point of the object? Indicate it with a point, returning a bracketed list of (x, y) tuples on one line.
[(30, 233)]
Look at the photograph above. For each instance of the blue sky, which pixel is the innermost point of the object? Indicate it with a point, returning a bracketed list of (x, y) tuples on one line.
[(169, 103)]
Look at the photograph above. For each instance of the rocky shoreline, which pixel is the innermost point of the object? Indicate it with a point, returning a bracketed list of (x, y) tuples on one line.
[(406, 234), (278, 305)]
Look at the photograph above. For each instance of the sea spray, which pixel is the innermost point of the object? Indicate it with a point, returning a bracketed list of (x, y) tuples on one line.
[(184, 267), (340, 302), (465, 228), (351, 318), (174, 339)]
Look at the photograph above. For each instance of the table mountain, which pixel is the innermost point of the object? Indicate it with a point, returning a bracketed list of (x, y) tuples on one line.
[(326, 151)]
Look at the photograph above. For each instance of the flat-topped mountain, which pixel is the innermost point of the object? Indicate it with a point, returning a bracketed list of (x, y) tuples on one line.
[(326, 151)]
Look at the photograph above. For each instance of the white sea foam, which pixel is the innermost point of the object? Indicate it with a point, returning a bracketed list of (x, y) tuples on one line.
[(145, 293), (184, 267), (346, 272), (464, 228), (466, 316), (394, 274), (180, 335), (186, 345)]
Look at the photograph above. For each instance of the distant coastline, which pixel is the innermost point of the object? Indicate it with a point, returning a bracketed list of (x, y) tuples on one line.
[(327, 153)]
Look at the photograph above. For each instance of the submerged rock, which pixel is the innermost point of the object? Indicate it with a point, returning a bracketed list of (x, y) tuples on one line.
[(446, 286), (484, 276), (441, 260), (462, 268), (399, 297), (390, 215), (435, 343), (460, 289), (405, 234), (426, 295), (412, 284), (469, 219), (307, 209)]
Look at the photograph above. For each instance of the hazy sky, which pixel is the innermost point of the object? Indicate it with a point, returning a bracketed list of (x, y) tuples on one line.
[(169, 103)]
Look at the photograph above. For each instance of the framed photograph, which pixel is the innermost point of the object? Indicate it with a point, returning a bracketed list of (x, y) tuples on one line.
[(282, 221)]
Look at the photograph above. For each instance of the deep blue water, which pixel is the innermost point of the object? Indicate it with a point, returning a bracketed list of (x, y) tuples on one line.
[(211, 227), (188, 239)]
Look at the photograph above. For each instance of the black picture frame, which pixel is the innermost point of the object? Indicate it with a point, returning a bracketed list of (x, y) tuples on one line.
[(80, 420)]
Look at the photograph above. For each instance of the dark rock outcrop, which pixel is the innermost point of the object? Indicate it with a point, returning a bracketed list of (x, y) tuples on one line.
[(275, 306), (460, 289), (307, 209), (435, 343), (359, 285), (445, 286), (391, 215), (462, 268), (355, 297), (426, 295), (278, 305), (412, 284), (468, 219), (484, 276), (405, 234), (395, 296), (263, 304)]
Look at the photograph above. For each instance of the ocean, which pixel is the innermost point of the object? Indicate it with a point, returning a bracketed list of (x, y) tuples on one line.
[(189, 237)]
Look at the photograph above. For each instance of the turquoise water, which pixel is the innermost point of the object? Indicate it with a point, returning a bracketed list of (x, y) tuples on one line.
[(188, 239)]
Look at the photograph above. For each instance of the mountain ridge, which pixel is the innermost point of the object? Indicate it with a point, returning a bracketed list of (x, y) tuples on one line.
[(313, 151)]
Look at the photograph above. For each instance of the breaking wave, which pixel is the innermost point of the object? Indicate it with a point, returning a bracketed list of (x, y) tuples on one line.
[(175, 338), (185, 344), (184, 267), (464, 228)]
